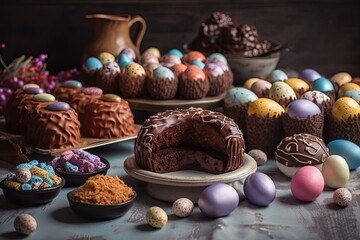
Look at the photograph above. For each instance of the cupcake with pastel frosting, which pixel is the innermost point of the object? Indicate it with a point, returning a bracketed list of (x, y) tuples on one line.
[(162, 84)]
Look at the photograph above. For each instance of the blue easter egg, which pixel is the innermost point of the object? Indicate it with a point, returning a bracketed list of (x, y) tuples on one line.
[(175, 52), (323, 85), (92, 63), (348, 150), (198, 63), (239, 95), (72, 84), (278, 75), (354, 94), (163, 72), (124, 60), (214, 57)]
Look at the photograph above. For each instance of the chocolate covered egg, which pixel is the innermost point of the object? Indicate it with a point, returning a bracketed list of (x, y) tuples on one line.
[(344, 108), (280, 91), (265, 107)]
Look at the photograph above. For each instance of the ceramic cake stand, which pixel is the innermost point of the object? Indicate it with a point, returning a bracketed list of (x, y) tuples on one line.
[(188, 183)]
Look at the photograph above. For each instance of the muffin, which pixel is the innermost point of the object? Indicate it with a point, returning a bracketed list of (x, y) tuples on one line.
[(162, 84), (107, 77), (193, 83), (133, 81)]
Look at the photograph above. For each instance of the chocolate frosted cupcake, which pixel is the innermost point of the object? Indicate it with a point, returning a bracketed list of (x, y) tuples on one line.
[(162, 84), (344, 121), (264, 125), (303, 116), (107, 78), (66, 90), (193, 83), (219, 76), (133, 81)]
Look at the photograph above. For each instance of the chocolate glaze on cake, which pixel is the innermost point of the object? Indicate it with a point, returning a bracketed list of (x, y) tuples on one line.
[(189, 139), (299, 150)]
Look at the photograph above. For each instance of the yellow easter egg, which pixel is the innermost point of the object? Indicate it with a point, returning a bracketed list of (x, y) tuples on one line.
[(106, 57), (335, 171), (248, 83), (347, 86), (154, 51), (265, 107), (281, 91), (341, 78), (133, 70), (344, 108), (297, 84)]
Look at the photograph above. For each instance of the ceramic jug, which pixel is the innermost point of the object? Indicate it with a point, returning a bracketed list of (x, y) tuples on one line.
[(112, 33)]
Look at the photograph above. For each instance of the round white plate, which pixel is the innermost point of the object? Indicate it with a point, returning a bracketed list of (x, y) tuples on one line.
[(190, 178)]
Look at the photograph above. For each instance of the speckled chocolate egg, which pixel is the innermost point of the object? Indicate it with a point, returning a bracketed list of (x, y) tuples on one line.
[(93, 63), (335, 171), (156, 217), (277, 75), (346, 87), (323, 85), (309, 75), (297, 84), (22, 175), (342, 197), (133, 70), (316, 96), (344, 108), (183, 207), (280, 91), (341, 78), (106, 57), (248, 83), (25, 224), (354, 94), (265, 107), (239, 95), (258, 155)]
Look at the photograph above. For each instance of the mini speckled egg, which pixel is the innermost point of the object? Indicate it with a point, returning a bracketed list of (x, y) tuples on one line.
[(239, 95), (258, 155), (178, 69), (214, 57), (335, 171), (248, 83), (124, 60), (23, 175), (277, 75), (323, 85), (93, 63), (110, 68), (129, 52), (307, 184), (183, 207), (350, 151), (153, 51), (354, 94), (302, 108), (344, 108), (281, 91), (175, 52), (156, 217), (346, 87), (342, 197), (260, 86), (134, 70), (316, 96), (259, 189), (341, 78), (309, 75), (265, 107), (193, 72), (106, 57), (297, 84), (25, 224), (192, 56), (163, 72)]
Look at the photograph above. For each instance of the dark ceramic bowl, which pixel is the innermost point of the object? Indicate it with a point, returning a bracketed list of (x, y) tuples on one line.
[(32, 197), (77, 179), (99, 212)]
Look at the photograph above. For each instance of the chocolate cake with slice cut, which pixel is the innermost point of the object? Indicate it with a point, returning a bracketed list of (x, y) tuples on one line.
[(189, 139)]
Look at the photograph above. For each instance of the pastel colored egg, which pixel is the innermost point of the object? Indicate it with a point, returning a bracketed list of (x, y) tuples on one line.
[(297, 84), (344, 108), (193, 72), (153, 51), (335, 171), (248, 83), (178, 69), (192, 56), (281, 91), (156, 217), (93, 63), (72, 84), (43, 97), (148, 58), (239, 95), (25, 224), (110, 98), (354, 94), (265, 107), (124, 60), (346, 87), (198, 63), (259, 189), (213, 69), (92, 91), (58, 106), (129, 52), (111, 68), (218, 200), (302, 108), (307, 184), (163, 72), (134, 70), (106, 57), (277, 75), (22, 175), (259, 156), (341, 78), (176, 52), (342, 197), (171, 59), (33, 90), (350, 151), (214, 57), (309, 75), (316, 96), (323, 85), (183, 207), (30, 85), (260, 86)]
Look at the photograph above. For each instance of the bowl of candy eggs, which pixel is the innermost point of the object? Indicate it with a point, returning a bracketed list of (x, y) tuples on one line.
[(32, 183), (76, 166)]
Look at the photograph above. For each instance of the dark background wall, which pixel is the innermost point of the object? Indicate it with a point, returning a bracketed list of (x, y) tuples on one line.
[(324, 35)]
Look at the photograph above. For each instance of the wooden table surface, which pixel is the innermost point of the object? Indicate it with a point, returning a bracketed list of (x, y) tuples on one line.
[(285, 218)]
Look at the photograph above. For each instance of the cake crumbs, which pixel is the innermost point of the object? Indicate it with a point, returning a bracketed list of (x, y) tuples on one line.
[(103, 190)]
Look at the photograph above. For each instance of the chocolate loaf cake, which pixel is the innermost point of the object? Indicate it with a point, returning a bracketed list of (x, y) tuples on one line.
[(189, 139)]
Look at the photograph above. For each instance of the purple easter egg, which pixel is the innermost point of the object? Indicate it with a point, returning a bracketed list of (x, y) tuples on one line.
[(302, 108), (309, 75), (129, 52), (58, 106), (218, 200), (92, 91), (259, 189), (33, 90)]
